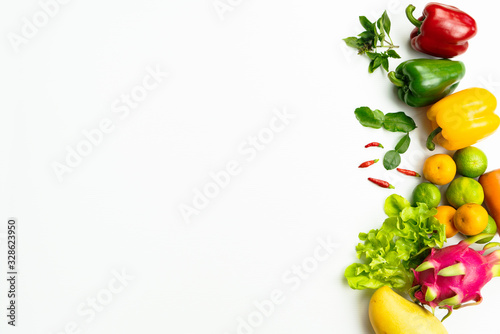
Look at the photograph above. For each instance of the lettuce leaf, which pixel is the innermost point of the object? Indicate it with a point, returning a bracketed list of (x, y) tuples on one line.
[(403, 241), (394, 204)]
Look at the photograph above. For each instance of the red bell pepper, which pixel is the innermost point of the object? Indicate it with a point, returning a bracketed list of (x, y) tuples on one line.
[(442, 31)]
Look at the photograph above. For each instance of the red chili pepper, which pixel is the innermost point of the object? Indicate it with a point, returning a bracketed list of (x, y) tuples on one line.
[(374, 144), (408, 172), (381, 183), (367, 163)]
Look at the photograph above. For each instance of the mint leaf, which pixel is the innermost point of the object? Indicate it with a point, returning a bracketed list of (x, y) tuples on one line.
[(403, 144), (369, 118), (392, 159), (399, 122)]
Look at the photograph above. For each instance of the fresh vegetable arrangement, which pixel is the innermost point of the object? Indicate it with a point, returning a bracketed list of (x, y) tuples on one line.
[(409, 252)]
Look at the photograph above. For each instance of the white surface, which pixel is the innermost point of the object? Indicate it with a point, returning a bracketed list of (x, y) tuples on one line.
[(119, 207)]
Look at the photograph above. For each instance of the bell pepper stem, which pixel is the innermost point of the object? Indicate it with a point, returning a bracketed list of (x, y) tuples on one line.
[(409, 14), (395, 80), (430, 145)]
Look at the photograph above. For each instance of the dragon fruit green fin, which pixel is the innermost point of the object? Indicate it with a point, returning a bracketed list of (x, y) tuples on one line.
[(478, 237), (495, 270), (456, 269), (430, 294), (491, 245), (424, 266), (452, 301)]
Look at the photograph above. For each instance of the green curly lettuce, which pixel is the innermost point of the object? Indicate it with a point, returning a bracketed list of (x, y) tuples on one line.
[(402, 242)]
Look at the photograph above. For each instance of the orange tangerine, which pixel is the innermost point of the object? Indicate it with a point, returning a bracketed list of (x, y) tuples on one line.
[(445, 216), (470, 219), (439, 169)]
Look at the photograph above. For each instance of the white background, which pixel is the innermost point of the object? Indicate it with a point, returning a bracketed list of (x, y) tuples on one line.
[(119, 208)]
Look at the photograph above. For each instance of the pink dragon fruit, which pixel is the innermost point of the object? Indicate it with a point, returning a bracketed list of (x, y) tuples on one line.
[(454, 275)]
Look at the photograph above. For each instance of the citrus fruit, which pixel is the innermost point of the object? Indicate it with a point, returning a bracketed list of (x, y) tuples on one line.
[(427, 193), (445, 216), (439, 169), (464, 190), (471, 219), (470, 161), (490, 228)]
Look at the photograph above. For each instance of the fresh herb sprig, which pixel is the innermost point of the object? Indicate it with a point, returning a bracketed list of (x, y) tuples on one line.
[(375, 36)]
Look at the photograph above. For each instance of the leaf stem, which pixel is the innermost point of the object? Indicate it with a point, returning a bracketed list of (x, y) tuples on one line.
[(392, 43), (387, 46)]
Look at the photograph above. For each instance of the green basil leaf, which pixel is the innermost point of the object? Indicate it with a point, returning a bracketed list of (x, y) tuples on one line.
[(370, 66), (399, 122), (375, 34), (380, 26), (392, 159), (369, 118), (366, 36), (393, 54), (381, 38), (352, 42), (403, 144), (372, 55), (385, 64), (374, 64), (365, 23), (386, 22)]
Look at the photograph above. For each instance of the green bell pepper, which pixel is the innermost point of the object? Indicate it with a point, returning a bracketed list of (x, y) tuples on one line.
[(422, 82)]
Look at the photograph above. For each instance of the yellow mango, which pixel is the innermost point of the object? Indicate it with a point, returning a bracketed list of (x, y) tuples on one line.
[(392, 314)]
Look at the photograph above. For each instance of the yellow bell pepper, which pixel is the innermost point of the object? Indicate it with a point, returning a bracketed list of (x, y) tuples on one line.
[(462, 119)]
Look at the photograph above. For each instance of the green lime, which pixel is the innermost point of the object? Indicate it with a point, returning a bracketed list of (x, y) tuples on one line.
[(490, 228), (464, 190), (471, 161), (427, 193)]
